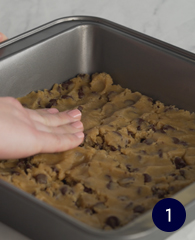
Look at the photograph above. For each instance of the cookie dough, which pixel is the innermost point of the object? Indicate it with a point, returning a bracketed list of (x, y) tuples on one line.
[(136, 151)]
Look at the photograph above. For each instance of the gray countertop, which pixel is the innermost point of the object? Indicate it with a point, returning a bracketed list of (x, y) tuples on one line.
[(168, 20)]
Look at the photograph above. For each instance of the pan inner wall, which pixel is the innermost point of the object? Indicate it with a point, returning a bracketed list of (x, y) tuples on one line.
[(90, 48), (144, 67)]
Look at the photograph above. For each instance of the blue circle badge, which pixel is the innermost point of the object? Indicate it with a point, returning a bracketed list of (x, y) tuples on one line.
[(169, 215)]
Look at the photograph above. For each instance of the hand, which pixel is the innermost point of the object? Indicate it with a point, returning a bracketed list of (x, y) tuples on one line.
[(25, 132), (2, 37)]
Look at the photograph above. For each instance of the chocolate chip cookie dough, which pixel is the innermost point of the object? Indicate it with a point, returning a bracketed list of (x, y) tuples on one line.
[(136, 151)]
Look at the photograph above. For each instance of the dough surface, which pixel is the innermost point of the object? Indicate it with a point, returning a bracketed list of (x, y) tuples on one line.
[(136, 151)]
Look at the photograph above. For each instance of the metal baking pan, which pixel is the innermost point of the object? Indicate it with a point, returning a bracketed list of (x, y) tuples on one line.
[(60, 50)]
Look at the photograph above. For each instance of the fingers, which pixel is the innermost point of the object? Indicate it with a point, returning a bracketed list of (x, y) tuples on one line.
[(67, 128), (52, 117), (58, 131), (49, 143), (2, 37), (52, 110)]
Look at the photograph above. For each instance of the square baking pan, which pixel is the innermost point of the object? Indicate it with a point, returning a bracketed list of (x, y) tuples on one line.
[(58, 51)]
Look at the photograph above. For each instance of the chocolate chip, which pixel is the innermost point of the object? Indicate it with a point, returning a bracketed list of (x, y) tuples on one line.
[(66, 84), (151, 100), (112, 148), (140, 121), (168, 108), (128, 166), (64, 190), (64, 181), (99, 146), (159, 192), (50, 92), (154, 189), (130, 169), (39, 102), (152, 127), (179, 163), (108, 177), (127, 141), (161, 131), (66, 96), (110, 94), (41, 178), (80, 108), (117, 133), (172, 174), (123, 198), (139, 128), (81, 75), (160, 153), (177, 141), (14, 172), (142, 140), (90, 211), (126, 181), (21, 163), (112, 221), (59, 89), (167, 127), (148, 141), (52, 102), (28, 166), (147, 177), (131, 134), (110, 185), (88, 190), (34, 194), (81, 93), (138, 209), (183, 143), (25, 164), (55, 169)]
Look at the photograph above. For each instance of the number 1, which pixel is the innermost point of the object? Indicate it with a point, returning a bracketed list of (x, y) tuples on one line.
[(169, 214)]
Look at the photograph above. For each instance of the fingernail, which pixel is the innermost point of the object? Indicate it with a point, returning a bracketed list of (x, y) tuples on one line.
[(74, 113), (79, 134), (77, 124)]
